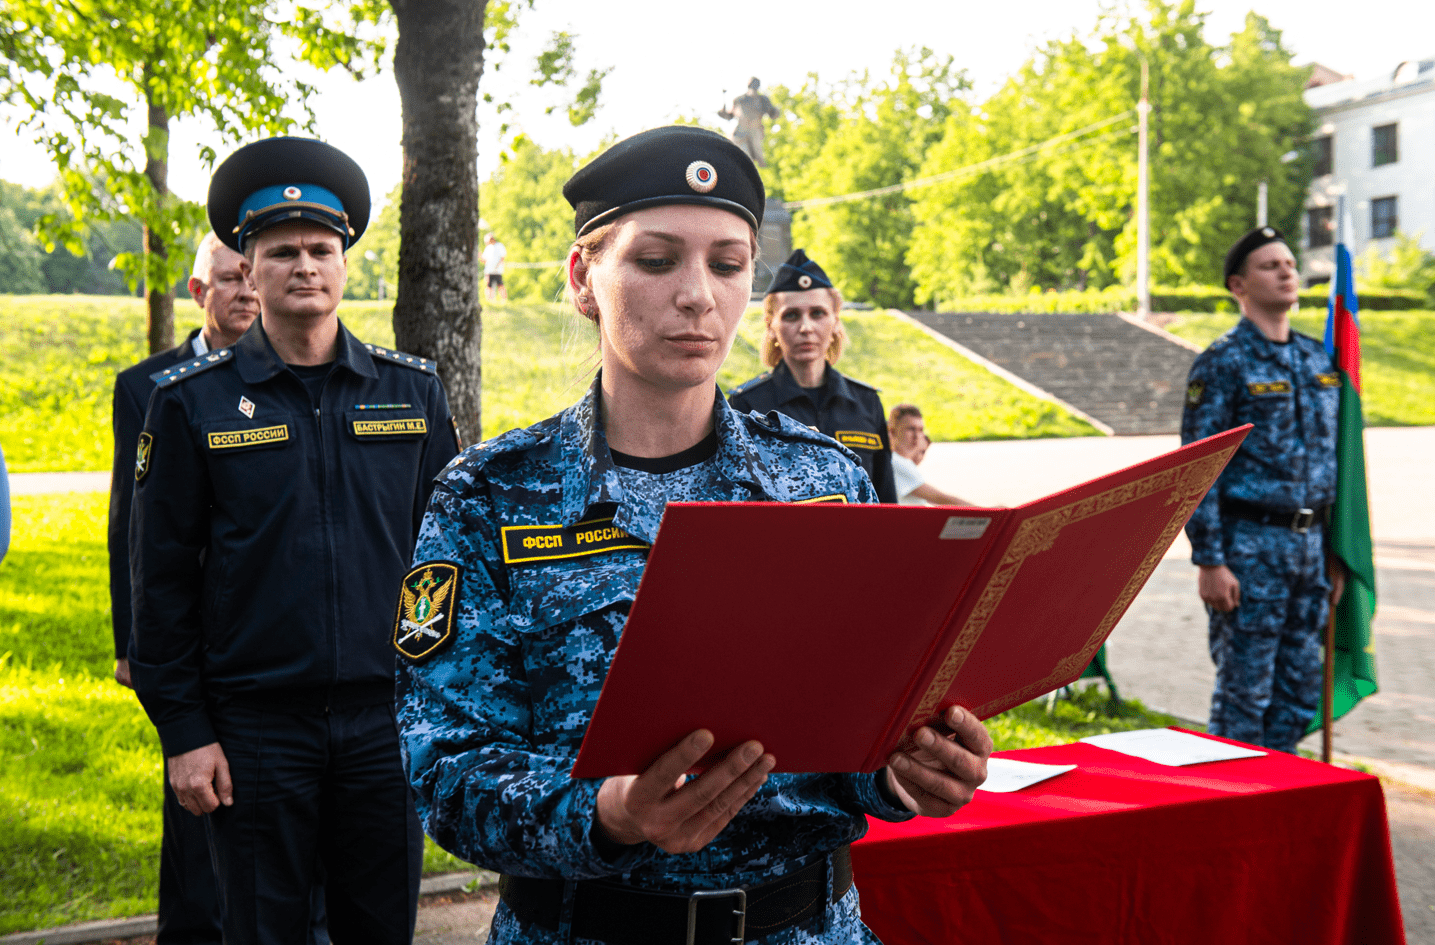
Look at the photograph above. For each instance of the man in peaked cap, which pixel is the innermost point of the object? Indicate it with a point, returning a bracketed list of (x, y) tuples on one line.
[(279, 485), (1259, 534), (804, 338)]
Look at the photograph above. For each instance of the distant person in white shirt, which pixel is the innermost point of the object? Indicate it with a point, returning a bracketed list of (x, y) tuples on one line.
[(494, 254), (909, 444)]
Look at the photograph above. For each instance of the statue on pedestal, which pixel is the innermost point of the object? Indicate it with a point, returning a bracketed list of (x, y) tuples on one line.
[(750, 108)]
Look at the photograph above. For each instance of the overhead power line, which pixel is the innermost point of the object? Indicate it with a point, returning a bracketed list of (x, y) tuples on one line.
[(1031, 151)]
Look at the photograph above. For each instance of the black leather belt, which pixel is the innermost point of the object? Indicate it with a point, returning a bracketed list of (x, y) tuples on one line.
[(1300, 520), (625, 915)]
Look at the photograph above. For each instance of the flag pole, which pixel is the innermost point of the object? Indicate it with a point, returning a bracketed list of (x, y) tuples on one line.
[(1327, 735), (1327, 721)]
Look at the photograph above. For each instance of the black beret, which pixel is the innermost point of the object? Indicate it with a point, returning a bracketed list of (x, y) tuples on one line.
[(676, 164), (798, 274), (278, 180), (1252, 241)]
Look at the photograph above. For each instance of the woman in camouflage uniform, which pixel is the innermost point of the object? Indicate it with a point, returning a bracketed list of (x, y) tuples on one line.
[(528, 561)]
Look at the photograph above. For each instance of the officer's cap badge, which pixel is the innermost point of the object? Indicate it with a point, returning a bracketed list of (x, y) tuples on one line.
[(142, 455), (428, 596)]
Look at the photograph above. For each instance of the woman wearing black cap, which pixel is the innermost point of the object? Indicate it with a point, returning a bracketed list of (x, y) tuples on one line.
[(527, 563), (803, 339)]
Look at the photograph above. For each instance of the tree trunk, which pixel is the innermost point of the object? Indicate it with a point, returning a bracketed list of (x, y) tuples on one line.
[(159, 299), (437, 64)]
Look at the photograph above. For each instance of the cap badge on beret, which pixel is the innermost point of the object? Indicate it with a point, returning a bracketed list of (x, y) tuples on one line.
[(701, 177), (1268, 232), (292, 193), (804, 281)]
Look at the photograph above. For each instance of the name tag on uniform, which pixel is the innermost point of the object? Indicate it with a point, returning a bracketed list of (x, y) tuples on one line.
[(233, 439), (837, 498), (526, 543), (858, 439), (1260, 388), (402, 427), (1328, 380)]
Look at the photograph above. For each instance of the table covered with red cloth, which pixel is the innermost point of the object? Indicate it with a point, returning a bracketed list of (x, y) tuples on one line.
[(1273, 849)]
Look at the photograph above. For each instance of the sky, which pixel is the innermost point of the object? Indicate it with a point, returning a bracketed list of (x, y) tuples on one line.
[(672, 59)]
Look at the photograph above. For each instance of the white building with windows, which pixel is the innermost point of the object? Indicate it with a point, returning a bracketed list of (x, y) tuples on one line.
[(1375, 144)]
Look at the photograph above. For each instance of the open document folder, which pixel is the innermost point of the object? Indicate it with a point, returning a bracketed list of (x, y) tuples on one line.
[(831, 632)]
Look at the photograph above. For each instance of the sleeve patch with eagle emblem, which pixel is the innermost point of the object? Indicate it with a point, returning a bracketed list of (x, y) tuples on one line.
[(428, 596)]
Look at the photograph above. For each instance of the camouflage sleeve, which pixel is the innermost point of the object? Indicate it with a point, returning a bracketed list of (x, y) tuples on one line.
[(1210, 409), (483, 789)]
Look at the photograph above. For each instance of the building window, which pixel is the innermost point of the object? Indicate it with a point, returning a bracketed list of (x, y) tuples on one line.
[(1324, 157), (1384, 145), (1384, 217), (1320, 222)]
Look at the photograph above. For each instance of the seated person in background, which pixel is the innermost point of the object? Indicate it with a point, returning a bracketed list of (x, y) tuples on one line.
[(909, 445)]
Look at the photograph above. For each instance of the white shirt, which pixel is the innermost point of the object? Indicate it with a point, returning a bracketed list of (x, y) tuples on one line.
[(906, 476), (493, 256)]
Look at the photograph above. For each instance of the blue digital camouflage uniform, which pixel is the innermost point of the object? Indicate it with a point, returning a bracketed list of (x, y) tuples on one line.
[(491, 723), (1267, 650)]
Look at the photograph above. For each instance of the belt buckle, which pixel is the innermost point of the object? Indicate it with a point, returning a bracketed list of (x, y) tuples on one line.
[(740, 911), (1302, 520)]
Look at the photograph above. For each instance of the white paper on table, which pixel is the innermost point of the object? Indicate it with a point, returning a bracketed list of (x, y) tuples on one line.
[(1005, 775), (1168, 747)]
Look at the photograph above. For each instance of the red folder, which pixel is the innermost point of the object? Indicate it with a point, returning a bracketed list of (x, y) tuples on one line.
[(832, 632)]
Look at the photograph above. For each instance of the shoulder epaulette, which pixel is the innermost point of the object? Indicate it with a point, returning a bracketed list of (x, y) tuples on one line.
[(184, 369), (407, 360), (776, 423), (745, 385), (862, 384)]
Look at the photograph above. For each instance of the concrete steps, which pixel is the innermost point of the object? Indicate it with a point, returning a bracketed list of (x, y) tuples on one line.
[(1128, 375)]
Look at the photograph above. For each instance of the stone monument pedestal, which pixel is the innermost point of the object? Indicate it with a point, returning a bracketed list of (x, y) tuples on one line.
[(774, 245)]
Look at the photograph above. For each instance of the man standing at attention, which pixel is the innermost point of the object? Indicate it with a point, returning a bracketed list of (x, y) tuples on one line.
[(494, 255), (279, 488), (189, 912), (1259, 536)]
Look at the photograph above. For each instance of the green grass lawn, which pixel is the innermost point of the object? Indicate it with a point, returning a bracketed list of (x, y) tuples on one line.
[(80, 765), (59, 356), (1397, 359)]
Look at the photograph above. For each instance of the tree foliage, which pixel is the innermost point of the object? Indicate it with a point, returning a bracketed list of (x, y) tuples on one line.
[(1222, 118), (25, 266), (1407, 266), (522, 205), (99, 83), (864, 133)]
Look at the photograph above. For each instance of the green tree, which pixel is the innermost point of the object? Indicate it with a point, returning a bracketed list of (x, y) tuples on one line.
[(869, 135), (379, 258), (1407, 266), (522, 204), (438, 61), (58, 271), (88, 72), (1055, 208)]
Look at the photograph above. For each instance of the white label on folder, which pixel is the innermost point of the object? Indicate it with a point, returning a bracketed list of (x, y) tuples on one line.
[(964, 528)]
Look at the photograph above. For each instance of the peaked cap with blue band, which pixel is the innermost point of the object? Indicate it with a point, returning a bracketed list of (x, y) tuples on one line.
[(1252, 241), (798, 274), (279, 180), (677, 164)]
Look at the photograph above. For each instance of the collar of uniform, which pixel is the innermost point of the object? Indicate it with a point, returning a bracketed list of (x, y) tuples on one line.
[(1256, 341), (833, 384), (591, 478), (258, 361)]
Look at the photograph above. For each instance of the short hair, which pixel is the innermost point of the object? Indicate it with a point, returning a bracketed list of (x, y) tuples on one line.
[(772, 352), (902, 412), (204, 257)]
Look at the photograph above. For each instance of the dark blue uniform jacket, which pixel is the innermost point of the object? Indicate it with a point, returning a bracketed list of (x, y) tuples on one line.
[(848, 411), (132, 389), (269, 536)]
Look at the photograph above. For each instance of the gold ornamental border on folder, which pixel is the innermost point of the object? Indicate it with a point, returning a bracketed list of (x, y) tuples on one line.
[(1187, 485)]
